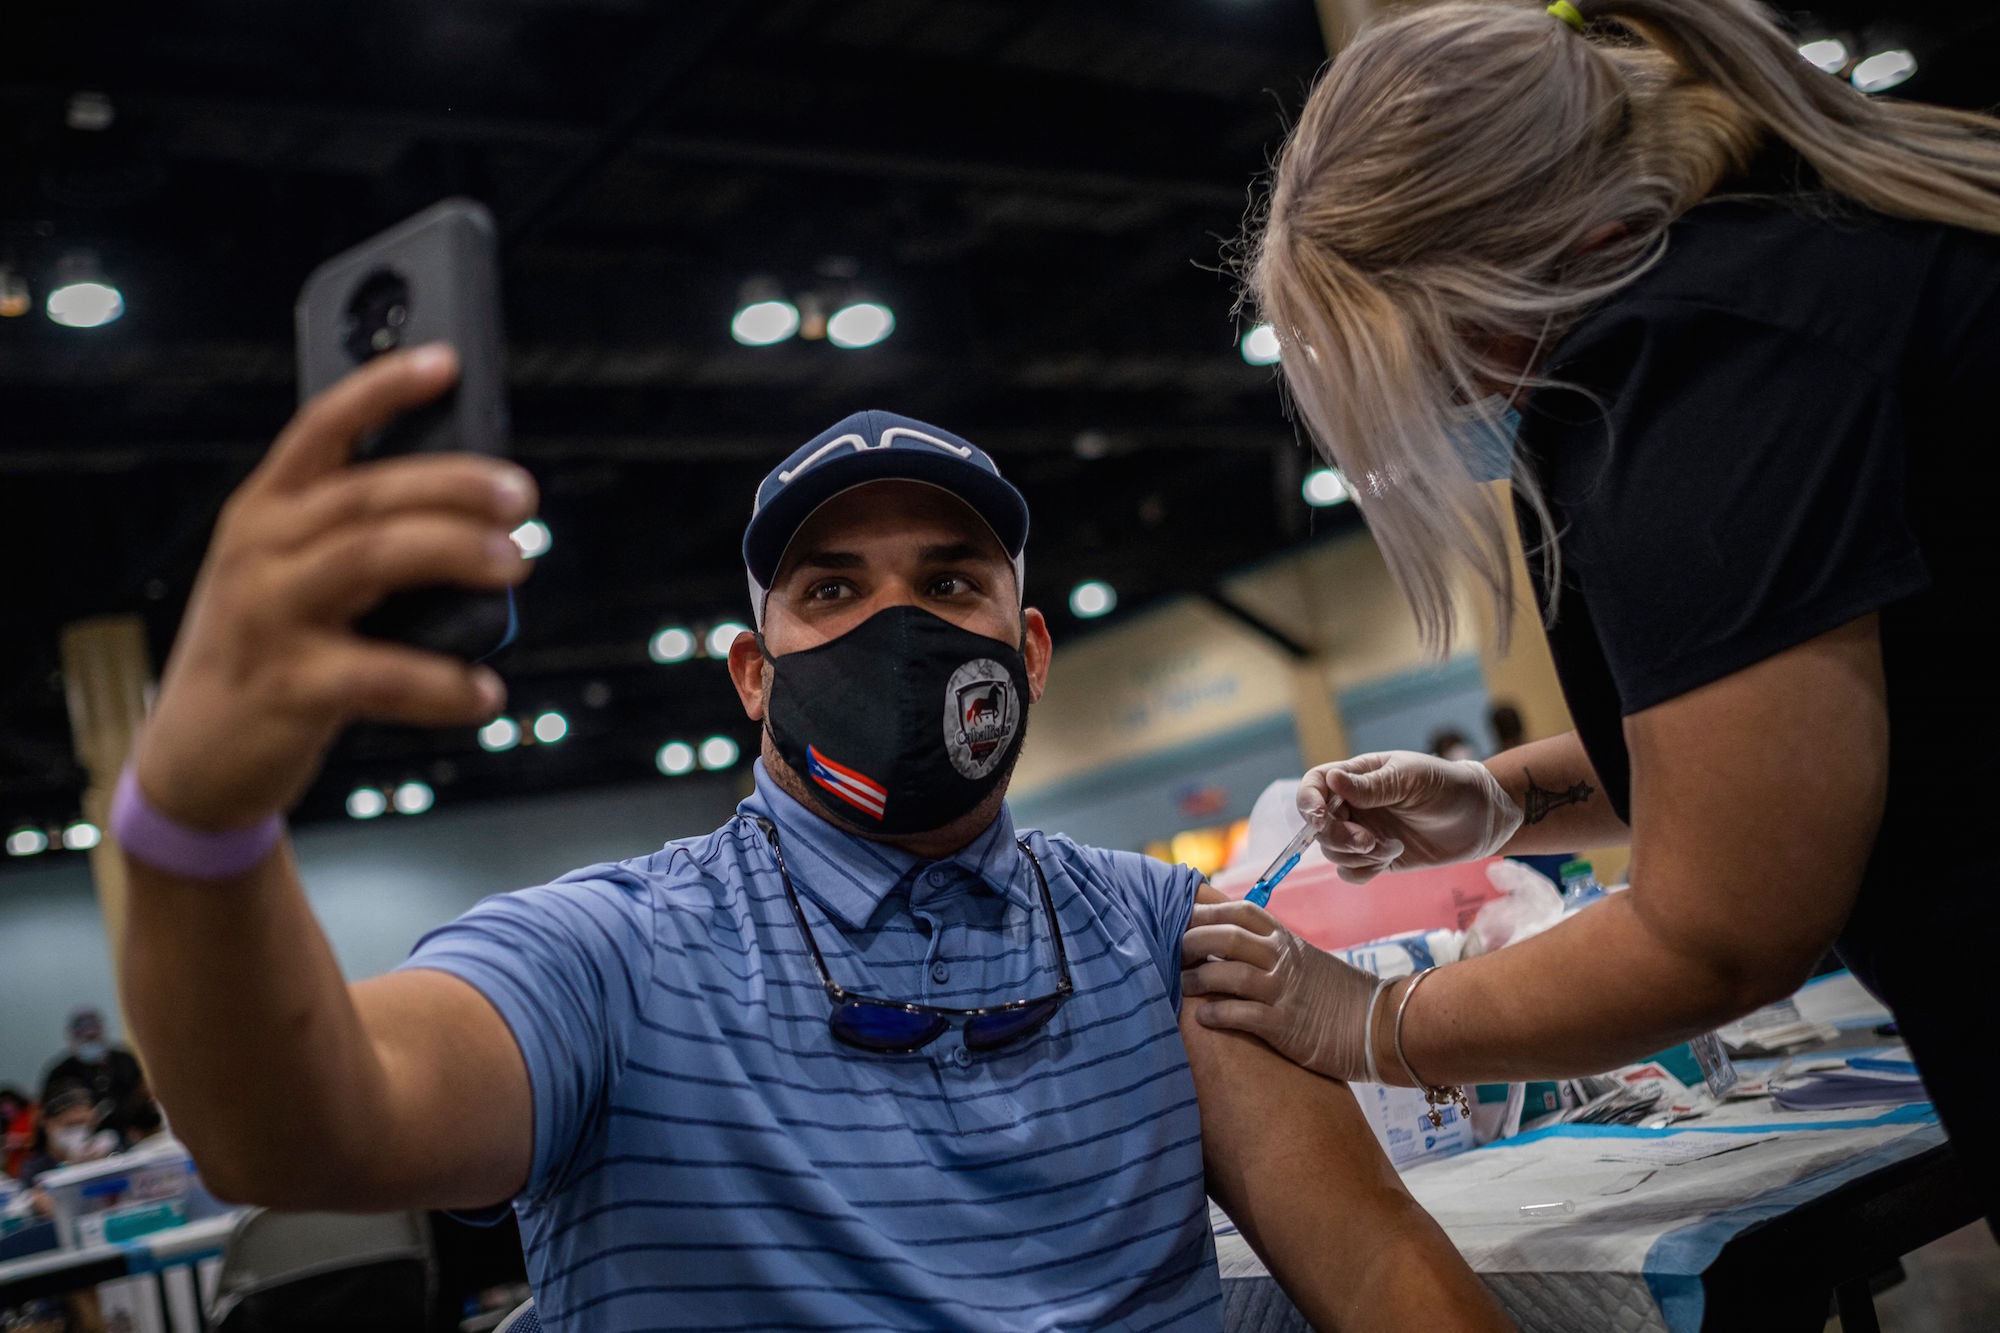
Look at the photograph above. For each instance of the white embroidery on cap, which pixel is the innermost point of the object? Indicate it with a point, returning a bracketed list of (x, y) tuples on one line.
[(860, 445)]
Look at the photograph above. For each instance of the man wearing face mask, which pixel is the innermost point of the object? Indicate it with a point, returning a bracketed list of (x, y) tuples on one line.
[(70, 1133), (866, 1056), (110, 1072)]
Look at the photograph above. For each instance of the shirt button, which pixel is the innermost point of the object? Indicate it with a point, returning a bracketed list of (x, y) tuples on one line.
[(960, 1056), (940, 972), (940, 877)]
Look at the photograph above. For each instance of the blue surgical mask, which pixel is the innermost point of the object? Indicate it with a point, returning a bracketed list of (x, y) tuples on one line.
[(1484, 435), (90, 1052)]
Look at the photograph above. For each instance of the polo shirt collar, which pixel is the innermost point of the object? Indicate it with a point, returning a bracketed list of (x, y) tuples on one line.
[(851, 876)]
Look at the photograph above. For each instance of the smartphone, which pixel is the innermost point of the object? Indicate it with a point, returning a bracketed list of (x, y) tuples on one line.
[(431, 278)]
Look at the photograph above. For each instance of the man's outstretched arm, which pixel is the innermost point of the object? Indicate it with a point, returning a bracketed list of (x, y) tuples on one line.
[(1293, 1162), (289, 1087), (292, 1088)]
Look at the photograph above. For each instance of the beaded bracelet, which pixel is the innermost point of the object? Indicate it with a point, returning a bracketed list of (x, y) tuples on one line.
[(1435, 1094)]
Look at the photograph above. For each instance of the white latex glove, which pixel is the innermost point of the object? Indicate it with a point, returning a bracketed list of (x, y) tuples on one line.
[(1308, 1006), (1406, 811)]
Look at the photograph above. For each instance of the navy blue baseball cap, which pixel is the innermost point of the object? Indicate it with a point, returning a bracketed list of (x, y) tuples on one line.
[(875, 446)]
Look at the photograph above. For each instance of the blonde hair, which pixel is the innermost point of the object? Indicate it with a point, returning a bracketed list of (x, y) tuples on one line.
[(1468, 178)]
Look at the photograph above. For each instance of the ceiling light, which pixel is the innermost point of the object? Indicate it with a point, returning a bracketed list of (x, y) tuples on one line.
[(85, 305), (366, 803), (762, 323), (15, 299), (861, 324), (82, 298), (1323, 487), (719, 752), (27, 842), (502, 733), (91, 112), (551, 727), (81, 836), (1092, 599), (675, 758), (1829, 53), (413, 798), (1091, 444), (1260, 345), (764, 315), (670, 645), (534, 538), (722, 636), (1884, 70), (812, 317)]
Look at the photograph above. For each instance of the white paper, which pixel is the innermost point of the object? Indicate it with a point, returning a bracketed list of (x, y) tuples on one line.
[(1841, 1000)]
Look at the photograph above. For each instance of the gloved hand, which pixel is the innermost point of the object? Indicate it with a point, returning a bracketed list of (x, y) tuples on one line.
[(1399, 810), (1308, 1006)]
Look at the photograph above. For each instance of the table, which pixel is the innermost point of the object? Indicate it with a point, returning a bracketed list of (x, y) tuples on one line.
[(1748, 1217), (59, 1272), (1787, 1212), (1767, 1259)]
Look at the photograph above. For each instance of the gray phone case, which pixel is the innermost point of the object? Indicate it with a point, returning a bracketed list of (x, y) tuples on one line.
[(431, 278)]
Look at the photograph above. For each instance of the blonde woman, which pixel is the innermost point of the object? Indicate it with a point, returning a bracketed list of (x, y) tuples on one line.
[(1750, 322)]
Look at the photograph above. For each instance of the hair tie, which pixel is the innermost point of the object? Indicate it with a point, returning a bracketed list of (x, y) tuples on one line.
[(1568, 13)]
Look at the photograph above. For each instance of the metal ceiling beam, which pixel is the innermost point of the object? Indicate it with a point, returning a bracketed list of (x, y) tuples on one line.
[(1250, 620), (31, 459), (246, 121), (664, 67)]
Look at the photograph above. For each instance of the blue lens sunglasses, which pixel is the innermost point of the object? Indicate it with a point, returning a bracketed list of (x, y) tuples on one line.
[(898, 1027)]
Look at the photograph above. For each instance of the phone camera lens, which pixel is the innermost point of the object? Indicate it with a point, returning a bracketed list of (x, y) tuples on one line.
[(377, 315)]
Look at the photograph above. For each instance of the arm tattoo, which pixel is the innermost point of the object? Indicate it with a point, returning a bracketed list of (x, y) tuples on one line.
[(1541, 802)]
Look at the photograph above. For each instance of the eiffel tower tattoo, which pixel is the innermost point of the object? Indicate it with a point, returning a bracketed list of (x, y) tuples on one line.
[(1542, 801)]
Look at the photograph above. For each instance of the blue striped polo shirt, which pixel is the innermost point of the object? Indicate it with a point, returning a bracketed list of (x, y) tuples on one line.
[(708, 1156)]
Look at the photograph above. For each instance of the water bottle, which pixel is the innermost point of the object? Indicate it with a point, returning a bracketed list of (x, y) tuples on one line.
[(1579, 884)]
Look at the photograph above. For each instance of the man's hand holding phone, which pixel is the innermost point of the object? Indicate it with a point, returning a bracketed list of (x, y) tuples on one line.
[(268, 668)]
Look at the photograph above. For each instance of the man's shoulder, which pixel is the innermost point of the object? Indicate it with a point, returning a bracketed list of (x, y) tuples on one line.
[(631, 907), (1112, 870), (687, 873)]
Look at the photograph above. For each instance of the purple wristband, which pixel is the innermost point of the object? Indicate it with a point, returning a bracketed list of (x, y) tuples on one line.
[(149, 836)]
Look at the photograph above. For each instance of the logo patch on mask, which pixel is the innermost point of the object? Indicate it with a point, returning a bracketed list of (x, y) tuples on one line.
[(868, 796), (981, 714)]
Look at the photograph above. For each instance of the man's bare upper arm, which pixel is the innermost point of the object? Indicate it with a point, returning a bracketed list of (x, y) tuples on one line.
[(1290, 1157), (459, 1121)]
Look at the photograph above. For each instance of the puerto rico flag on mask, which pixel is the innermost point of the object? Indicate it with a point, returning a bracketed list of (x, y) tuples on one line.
[(864, 794)]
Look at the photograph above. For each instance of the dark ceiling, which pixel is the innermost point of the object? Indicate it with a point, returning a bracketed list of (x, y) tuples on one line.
[(1042, 192)]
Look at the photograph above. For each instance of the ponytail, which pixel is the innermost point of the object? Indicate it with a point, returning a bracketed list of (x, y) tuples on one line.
[(1471, 176), (1904, 159)]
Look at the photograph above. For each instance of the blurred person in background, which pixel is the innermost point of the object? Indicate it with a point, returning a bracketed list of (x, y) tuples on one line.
[(17, 1129), (110, 1072), (1508, 730), (1745, 315), (70, 1133), (1450, 743), (865, 1055), (145, 1120)]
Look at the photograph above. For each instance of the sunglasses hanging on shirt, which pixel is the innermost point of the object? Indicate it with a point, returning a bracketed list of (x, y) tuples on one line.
[(898, 1027)]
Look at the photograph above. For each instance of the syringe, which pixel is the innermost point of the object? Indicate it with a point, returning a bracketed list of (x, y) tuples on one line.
[(1260, 892)]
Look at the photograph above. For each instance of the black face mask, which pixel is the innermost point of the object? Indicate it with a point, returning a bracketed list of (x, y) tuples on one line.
[(902, 724)]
